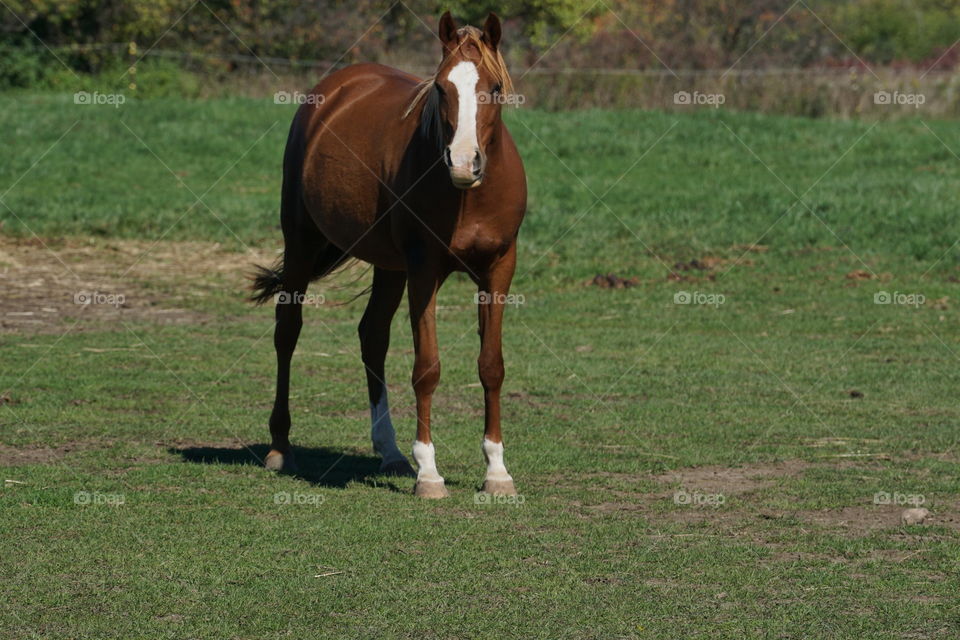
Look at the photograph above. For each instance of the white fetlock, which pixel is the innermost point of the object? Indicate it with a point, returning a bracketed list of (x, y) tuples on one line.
[(498, 481), (429, 482), (384, 438)]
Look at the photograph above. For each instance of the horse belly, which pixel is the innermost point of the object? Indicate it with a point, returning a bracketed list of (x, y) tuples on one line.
[(344, 204)]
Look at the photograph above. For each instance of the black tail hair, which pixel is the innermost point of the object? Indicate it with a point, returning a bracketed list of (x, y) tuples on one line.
[(267, 282)]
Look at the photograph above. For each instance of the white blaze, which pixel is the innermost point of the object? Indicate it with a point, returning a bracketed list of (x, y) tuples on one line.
[(463, 148)]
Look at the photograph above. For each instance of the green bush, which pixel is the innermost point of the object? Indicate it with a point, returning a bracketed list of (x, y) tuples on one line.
[(22, 66), (160, 78), (886, 31)]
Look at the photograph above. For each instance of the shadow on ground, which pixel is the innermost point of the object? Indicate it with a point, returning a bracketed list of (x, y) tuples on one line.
[(320, 466)]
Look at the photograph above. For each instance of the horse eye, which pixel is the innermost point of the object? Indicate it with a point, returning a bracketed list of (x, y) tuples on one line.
[(496, 89)]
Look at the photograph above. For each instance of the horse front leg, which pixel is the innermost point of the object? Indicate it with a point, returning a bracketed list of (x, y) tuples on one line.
[(422, 287), (493, 289), (374, 331)]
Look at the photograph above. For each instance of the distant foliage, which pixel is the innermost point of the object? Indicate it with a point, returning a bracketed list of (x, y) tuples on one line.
[(888, 31), (541, 22), (715, 34), (92, 35)]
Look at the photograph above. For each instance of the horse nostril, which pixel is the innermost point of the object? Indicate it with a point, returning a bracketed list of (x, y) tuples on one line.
[(447, 158), (477, 164)]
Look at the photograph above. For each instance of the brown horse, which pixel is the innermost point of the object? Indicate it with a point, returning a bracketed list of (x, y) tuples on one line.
[(420, 179)]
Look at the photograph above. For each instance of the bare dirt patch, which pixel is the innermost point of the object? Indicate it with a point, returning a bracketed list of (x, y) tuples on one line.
[(861, 520), (20, 456), (661, 505), (46, 284), (707, 266), (695, 481), (612, 281), (733, 480)]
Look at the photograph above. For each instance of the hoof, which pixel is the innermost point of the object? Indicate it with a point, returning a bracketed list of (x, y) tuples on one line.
[(499, 487), (398, 468), (430, 489), (279, 461)]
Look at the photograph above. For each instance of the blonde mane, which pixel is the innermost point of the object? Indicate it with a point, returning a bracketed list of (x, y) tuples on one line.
[(490, 61)]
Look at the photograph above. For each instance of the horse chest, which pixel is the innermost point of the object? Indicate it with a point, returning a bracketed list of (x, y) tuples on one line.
[(476, 242)]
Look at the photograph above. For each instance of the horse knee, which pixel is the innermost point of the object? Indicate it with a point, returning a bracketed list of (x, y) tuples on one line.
[(426, 376), (373, 344), (491, 372)]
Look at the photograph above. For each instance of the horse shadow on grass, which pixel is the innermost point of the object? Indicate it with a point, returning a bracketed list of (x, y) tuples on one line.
[(319, 466)]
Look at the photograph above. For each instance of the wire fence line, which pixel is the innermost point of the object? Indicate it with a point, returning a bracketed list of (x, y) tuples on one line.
[(848, 92)]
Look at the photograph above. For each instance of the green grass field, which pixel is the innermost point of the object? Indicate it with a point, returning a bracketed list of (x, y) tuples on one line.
[(783, 397)]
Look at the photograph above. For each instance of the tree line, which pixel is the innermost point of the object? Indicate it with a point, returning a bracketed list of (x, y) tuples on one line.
[(585, 34)]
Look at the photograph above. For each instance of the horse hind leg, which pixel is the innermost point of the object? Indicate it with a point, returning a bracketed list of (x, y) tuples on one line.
[(293, 278), (288, 282), (374, 330)]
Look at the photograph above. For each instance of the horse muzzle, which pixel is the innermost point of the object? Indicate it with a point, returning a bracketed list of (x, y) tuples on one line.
[(466, 170)]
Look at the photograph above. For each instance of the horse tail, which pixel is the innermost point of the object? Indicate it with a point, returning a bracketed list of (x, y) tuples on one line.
[(269, 281)]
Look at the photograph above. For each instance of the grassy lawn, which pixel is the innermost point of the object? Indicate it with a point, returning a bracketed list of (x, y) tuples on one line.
[(780, 400)]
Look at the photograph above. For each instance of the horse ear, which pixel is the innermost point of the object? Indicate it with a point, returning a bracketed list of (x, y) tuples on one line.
[(448, 31), (491, 30)]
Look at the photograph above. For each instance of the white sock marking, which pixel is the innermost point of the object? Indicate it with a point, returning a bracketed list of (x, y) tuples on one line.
[(424, 454), (382, 433), (493, 452), (463, 148)]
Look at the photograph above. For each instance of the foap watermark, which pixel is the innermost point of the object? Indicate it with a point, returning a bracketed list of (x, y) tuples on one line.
[(297, 97), (99, 297), (898, 98), (483, 498), (309, 299), (512, 299), (95, 497), (698, 297), (900, 499), (698, 498), (114, 100), (309, 499), (698, 99), (904, 299), (512, 99)]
